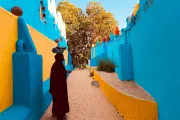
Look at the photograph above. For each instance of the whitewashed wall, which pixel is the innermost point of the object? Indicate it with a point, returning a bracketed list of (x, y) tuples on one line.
[(58, 17)]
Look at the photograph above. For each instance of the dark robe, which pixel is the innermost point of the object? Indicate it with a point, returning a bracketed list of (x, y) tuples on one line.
[(58, 87)]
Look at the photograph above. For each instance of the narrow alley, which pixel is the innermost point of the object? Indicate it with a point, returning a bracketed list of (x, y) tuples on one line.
[(86, 102)]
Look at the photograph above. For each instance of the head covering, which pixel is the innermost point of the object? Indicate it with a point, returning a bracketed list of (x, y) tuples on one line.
[(59, 57)]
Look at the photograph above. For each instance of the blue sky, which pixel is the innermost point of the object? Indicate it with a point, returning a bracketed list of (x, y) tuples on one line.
[(120, 8)]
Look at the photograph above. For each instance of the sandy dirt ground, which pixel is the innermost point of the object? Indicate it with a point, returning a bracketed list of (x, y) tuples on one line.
[(127, 87), (86, 102)]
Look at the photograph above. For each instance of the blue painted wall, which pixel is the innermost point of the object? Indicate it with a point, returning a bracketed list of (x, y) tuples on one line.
[(27, 83), (94, 61), (31, 14), (63, 43), (27, 74), (155, 44), (31, 96), (99, 50), (111, 50)]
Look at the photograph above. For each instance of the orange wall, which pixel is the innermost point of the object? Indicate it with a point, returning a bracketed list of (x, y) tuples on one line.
[(8, 38), (44, 47)]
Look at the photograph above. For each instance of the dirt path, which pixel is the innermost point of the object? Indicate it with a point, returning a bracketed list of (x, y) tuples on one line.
[(86, 102)]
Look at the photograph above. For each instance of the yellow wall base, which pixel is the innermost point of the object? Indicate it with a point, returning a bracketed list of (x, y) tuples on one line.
[(129, 107)]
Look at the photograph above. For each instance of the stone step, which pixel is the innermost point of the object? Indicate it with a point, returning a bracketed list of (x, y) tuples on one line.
[(15, 112)]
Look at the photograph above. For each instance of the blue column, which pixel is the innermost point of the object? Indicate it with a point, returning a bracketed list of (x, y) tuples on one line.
[(27, 73), (126, 72)]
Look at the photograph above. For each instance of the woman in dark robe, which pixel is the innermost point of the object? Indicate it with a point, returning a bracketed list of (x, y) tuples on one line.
[(58, 88)]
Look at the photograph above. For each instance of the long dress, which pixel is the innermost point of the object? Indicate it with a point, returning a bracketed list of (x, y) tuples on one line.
[(58, 87)]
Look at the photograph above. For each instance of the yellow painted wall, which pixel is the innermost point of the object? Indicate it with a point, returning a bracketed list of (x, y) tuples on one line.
[(128, 106), (8, 37), (44, 47)]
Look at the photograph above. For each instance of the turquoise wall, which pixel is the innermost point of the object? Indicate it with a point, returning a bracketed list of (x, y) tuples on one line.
[(31, 14), (154, 41), (94, 61), (31, 96), (112, 50), (155, 44), (119, 52), (63, 43), (99, 50)]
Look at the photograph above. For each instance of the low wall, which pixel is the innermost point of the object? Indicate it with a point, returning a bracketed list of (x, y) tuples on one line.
[(8, 38), (129, 107)]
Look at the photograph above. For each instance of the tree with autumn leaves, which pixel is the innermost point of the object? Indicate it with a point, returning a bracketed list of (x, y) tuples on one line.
[(85, 28), (103, 22)]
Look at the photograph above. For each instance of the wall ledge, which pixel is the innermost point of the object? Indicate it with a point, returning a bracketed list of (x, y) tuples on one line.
[(131, 108)]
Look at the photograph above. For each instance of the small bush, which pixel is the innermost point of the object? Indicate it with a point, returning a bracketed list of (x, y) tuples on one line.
[(106, 65)]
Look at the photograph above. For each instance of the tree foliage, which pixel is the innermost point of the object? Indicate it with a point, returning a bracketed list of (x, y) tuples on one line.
[(69, 14), (84, 28), (103, 22)]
